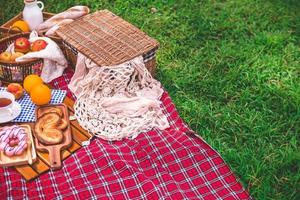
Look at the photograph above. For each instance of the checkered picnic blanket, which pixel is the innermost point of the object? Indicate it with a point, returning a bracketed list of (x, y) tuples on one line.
[(28, 108), (170, 164)]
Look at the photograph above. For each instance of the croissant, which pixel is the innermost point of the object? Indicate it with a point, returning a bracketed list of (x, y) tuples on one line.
[(52, 110), (49, 128)]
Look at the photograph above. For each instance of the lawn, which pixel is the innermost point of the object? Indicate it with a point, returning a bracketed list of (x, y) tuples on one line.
[(233, 70)]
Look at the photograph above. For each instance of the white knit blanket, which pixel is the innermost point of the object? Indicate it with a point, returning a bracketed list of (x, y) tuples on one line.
[(116, 102)]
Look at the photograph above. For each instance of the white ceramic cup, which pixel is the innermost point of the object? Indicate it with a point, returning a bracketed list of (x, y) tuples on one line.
[(7, 110)]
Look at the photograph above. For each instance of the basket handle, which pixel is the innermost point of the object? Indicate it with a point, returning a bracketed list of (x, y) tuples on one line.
[(12, 29), (41, 3)]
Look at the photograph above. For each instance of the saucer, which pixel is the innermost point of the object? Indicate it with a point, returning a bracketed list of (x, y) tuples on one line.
[(16, 112)]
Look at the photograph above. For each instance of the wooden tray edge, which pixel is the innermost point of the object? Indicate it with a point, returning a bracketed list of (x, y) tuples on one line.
[(33, 152)]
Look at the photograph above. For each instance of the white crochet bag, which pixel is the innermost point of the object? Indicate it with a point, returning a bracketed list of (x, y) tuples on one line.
[(117, 102)]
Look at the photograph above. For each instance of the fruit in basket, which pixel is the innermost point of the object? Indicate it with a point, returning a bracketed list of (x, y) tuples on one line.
[(31, 81), (5, 56), (16, 55), (40, 94), (20, 25), (38, 45), (16, 89), (22, 45)]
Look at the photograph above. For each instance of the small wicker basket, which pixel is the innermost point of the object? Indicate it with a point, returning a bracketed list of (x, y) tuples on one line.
[(11, 71), (69, 53)]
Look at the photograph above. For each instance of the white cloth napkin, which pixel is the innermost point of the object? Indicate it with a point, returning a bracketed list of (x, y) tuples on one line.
[(50, 26), (54, 59)]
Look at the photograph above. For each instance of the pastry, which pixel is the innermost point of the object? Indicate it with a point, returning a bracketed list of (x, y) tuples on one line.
[(52, 110), (13, 140), (49, 128), (62, 124)]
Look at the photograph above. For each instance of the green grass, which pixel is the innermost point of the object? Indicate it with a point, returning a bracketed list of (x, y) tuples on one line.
[(232, 68)]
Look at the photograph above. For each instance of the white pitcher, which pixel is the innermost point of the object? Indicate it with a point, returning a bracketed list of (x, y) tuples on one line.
[(33, 14)]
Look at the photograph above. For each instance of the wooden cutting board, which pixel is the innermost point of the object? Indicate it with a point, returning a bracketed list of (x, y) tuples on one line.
[(42, 164), (55, 150), (29, 155)]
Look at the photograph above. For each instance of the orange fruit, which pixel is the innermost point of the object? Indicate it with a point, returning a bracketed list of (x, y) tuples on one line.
[(20, 25), (40, 94), (30, 81)]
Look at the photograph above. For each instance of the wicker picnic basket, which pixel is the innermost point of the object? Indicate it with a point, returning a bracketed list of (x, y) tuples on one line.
[(108, 40), (12, 71), (5, 31), (102, 36)]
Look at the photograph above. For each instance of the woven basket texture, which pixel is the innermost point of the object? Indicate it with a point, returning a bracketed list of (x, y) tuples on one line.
[(70, 54), (17, 71), (106, 38)]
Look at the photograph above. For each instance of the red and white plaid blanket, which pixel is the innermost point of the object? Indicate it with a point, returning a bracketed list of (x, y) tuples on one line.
[(170, 164)]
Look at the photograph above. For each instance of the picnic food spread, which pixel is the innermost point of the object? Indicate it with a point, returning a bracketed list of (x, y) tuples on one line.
[(52, 132), (20, 25), (13, 140), (49, 127), (4, 102), (40, 94), (31, 81), (116, 99), (16, 89), (20, 47), (16, 146)]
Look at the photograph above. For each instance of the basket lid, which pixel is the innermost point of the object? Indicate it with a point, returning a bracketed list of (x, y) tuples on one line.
[(106, 38)]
